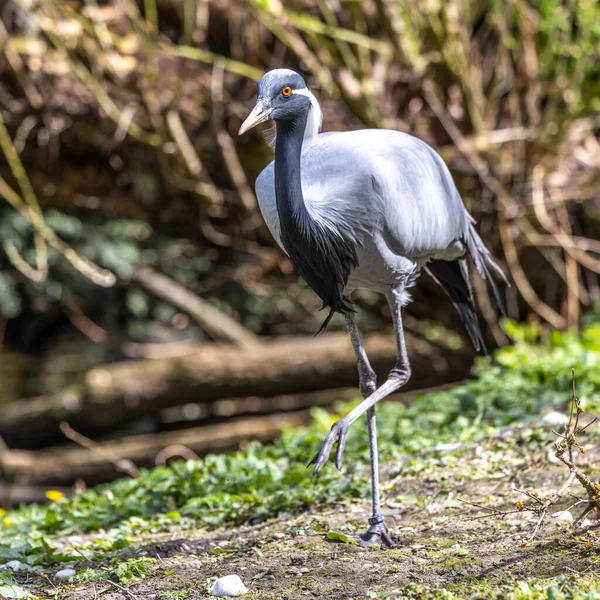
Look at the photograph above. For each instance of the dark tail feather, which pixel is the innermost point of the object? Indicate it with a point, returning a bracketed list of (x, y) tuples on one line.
[(343, 307), (483, 259), (326, 321), (454, 278)]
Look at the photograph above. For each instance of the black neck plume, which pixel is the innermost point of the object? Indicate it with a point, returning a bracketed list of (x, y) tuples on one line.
[(322, 257)]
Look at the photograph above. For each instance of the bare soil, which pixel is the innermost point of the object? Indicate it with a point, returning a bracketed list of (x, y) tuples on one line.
[(439, 543)]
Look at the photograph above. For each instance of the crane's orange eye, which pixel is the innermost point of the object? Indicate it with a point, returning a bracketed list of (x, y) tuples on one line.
[(286, 91)]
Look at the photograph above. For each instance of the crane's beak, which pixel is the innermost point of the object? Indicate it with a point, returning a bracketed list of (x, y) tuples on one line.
[(260, 113)]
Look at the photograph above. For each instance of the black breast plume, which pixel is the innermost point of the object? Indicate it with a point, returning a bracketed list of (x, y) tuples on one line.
[(323, 259)]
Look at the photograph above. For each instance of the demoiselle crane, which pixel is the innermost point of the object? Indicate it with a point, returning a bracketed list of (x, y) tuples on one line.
[(364, 209)]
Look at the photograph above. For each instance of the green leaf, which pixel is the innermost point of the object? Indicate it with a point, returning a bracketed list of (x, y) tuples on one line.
[(13, 591), (334, 536), (10, 589)]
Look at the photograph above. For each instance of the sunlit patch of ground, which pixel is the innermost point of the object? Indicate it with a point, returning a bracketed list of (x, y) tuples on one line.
[(443, 548)]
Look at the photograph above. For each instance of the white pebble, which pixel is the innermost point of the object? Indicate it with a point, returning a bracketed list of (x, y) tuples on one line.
[(555, 418), (563, 515), (65, 573), (449, 447), (230, 585), (14, 565)]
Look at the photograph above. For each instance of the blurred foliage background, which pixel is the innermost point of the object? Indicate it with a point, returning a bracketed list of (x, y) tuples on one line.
[(121, 161)]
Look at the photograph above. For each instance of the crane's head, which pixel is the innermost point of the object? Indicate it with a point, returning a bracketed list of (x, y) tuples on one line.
[(281, 95)]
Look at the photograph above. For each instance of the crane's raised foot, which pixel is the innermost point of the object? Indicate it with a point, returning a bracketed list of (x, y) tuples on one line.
[(338, 433), (377, 533)]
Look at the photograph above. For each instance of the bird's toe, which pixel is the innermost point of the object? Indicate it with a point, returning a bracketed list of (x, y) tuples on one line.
[(316, 460), (337, 434), (377, 534), (341, 446)]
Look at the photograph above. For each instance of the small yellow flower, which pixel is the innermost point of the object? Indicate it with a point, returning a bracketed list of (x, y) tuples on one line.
[(519, 505), (582, 450), (7, 521), (54, 495), (2, 512), (588, 545), (523, 544), (594, 498)]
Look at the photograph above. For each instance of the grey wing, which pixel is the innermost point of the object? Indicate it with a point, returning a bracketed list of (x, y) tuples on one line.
[(377, 182), (385, 183), (425, 213), (390, 191)]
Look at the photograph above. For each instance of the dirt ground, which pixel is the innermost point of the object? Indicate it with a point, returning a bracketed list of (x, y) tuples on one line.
[(439, 543)]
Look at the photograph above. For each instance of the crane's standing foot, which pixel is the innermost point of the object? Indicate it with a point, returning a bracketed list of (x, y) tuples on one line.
[(377, 533)]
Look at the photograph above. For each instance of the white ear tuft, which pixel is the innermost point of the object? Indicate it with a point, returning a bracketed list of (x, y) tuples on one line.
[(315, 118)]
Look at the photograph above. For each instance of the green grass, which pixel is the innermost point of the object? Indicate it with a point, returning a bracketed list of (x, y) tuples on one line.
[(262, 481)]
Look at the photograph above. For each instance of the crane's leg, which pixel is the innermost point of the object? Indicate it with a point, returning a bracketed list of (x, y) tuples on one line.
[(367, 379), (398, 376), (378, 531), (368, 384)]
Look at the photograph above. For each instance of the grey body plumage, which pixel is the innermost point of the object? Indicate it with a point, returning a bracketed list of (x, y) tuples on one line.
[(368, 208), (390, 195)]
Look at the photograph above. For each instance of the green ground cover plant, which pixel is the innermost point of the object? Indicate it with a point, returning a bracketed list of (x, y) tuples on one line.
[(425, 440)]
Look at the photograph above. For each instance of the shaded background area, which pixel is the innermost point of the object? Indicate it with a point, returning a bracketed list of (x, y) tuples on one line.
[(130, 230)]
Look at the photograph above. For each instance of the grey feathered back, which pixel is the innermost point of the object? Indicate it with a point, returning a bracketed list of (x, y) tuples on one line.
[(358, 181)]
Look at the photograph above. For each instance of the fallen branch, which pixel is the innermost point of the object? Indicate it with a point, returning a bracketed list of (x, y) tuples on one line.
[(106, 454), (64, 465), (103, 461), (111, 396), (214, 322)]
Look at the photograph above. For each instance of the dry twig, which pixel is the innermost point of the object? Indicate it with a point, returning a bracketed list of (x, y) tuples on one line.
[(121, 464), (566, 447)]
